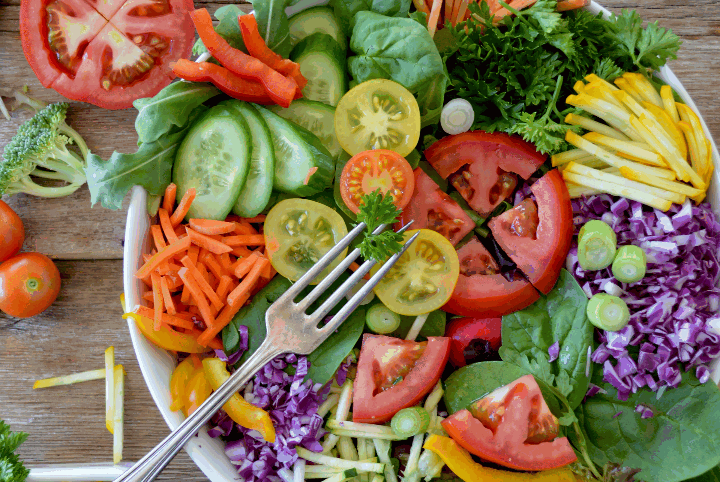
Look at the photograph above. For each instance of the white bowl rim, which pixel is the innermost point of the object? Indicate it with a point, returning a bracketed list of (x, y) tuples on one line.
[(157, 364)]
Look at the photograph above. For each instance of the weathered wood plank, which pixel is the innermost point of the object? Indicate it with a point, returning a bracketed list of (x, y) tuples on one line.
[(67, 424)]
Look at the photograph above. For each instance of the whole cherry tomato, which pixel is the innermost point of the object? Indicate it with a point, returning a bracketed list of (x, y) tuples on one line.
[(29, 284), (12, 232)]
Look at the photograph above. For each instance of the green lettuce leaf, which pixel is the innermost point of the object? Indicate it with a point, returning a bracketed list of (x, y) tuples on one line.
[(273, 25)]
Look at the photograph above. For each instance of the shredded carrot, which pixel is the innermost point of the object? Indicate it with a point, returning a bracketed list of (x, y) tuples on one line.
[(148, 296), (209, 226), (459, 14), (197, 295), (420, 6), (566, 5), (157, 300), (243, 289), (169, 197), (245, 240), (164, 254), (449, 7), (207, 242), (172, 320), (158, 237), (354, 267), (173, 280), (241, 252), (243, 227), (213, 264), (167, 297), (204, 272), (147, 257), (202, 283), (214, 342), (434, 17), (225, 261), (167, 227), (183, 207), (224, 287), (260, 218), (244, 265), (516, 4), (267, 272)]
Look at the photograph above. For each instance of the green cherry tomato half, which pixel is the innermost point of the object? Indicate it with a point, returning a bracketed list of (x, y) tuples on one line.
[(298, 232), (29, 284), (378, 114)]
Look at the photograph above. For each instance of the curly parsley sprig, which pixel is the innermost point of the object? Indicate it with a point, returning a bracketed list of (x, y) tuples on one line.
[(11, 467), (377, 209)]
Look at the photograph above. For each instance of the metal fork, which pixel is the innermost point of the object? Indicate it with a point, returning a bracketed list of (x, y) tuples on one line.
[(289, 329)]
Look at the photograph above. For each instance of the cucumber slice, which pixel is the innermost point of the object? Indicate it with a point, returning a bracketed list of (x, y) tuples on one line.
[(302, 164), (316, 19), (214, 158), (322, 62), (255, 195), (316, 117)]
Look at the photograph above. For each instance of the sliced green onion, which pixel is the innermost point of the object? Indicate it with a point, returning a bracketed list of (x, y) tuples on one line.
[(339, 463), (381, 319), (630, 264), (342, 476), (597, 244), (361, 430), (457, 116), (410, 421), (608, 312)]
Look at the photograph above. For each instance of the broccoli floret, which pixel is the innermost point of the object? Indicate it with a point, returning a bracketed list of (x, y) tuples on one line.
[(39, 149)]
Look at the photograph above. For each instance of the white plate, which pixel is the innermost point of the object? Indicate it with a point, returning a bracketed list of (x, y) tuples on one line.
[(157, 364)]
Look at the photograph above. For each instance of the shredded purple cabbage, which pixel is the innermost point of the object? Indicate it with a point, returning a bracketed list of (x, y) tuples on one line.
[(673, 309), (342, 371), (554, 351), (242, 348), (292, 406)]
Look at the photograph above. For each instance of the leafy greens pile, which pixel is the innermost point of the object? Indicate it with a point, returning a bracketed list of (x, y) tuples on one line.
[(510, 72)]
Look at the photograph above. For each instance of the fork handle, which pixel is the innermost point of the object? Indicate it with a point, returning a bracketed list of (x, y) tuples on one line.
[(150, 466)]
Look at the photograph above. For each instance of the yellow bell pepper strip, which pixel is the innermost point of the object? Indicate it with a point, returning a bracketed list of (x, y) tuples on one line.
[(197, 391), (242, 412), (462, 464), (179, 380)]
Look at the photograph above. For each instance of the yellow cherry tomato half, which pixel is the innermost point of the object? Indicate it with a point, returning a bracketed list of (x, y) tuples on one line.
[(424, 277), (378, 114), (298, 232), (378, 169)]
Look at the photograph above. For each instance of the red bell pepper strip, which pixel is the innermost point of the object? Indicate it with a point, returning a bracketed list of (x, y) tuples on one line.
[(258, 48), (225, 80), (281, 89)]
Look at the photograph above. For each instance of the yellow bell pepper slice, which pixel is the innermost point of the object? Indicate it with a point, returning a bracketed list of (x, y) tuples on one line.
[(242, 412), (462, 464), (179, 380)]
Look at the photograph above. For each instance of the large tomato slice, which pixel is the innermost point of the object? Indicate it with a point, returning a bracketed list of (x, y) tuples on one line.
[(515, 429), (481, 291), (482, 166), (537, 235), (473, 337), (393, 374), (106, 52), (431, 208)]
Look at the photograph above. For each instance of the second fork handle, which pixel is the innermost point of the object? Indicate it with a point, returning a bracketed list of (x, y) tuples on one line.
[(150, 466)]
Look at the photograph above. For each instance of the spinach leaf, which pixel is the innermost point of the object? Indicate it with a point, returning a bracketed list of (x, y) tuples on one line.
[(149, 167), (434, 325), (712, 475), (170, 108), (345, 10), (398, 49), (431, 99), (680, 441), (472, 382), (558, 317), (273, 25), (326, 358), (253, 316)]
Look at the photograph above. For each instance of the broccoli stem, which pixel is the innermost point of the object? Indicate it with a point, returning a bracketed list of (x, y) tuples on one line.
[(67, 164), (73, 134), (28, 186)]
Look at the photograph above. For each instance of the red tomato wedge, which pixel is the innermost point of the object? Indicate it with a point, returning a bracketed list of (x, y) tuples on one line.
[(431, 208), (481, 291), (106, 52), (483, 167), (517, 430), (393, 374), (466, 331), (537, 235), (376, 169)]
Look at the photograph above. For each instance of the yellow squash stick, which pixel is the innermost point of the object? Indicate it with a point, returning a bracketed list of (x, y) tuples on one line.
[(664, 119), (595, 126), (668, 99), (109, 388), (118, 415), (673, 186), (687, 115), (644, 87), (615, 178), (617, 190), (631, 148), (70, 379)]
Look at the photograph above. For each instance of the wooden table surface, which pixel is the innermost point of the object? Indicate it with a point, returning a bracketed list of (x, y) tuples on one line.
[(67, 424)]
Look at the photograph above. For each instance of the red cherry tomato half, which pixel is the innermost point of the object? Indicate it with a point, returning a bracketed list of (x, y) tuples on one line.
[(515, 429), (381, 169), (393, 374), (29, 284), (106, 52), (12, 232), (464, 331), (483, 166), (537, 235)]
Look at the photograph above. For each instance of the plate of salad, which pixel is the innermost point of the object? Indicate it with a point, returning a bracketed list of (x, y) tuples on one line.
[(557, 317)]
